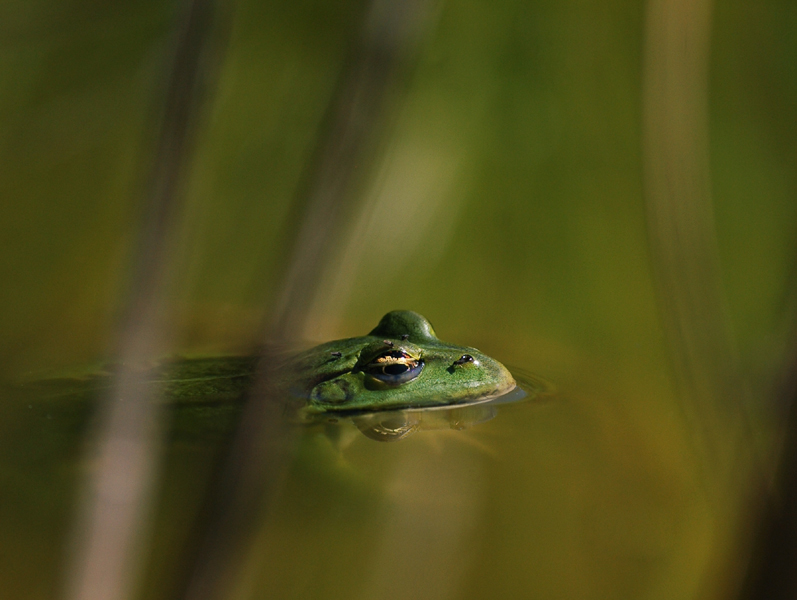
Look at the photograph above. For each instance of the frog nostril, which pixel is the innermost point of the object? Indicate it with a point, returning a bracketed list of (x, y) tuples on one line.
[(465, 358)]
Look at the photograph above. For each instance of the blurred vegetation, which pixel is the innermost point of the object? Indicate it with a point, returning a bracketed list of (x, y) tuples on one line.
[(505, 202)]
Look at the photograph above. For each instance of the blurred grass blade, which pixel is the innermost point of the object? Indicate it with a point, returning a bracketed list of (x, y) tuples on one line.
[(685, 264), (681, 230), (111, 524), (355, 123)]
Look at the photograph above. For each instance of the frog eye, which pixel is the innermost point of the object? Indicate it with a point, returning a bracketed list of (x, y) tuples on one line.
[(394, 368)]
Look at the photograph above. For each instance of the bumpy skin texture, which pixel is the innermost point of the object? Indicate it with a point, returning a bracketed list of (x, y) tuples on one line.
[(344, 376)]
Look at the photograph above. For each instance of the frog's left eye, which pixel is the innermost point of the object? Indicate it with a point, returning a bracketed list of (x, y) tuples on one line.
[(394, 368)]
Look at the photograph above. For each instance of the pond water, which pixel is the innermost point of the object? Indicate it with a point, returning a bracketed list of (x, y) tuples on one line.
[(551, 498)]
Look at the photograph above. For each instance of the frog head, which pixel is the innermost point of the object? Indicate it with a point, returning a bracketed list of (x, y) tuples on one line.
[(400, 365)]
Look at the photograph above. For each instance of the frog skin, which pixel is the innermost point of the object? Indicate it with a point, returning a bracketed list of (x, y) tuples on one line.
[(400, 365)]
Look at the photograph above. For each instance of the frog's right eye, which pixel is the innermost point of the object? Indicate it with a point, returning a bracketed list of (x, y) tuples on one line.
[(394, 368)]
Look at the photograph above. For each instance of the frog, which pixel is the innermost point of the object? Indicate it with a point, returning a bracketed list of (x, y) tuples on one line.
[(399, 365), (396, 380)]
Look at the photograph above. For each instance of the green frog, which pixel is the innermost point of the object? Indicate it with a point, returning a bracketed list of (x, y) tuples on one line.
[(396, 380), (400, 365)]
